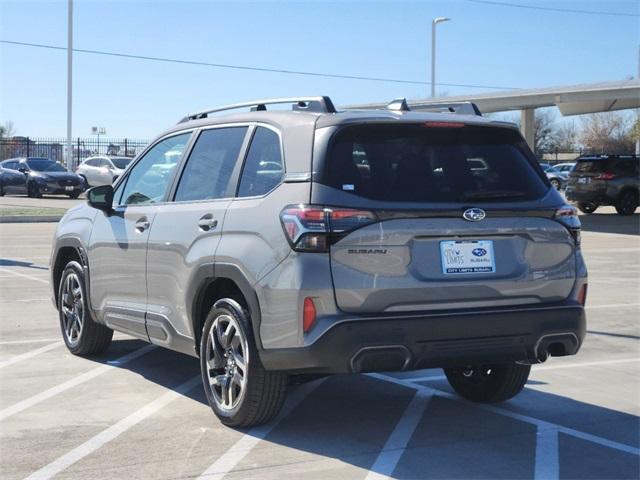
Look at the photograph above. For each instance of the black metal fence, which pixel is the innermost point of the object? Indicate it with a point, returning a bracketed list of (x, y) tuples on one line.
[(55, 148)]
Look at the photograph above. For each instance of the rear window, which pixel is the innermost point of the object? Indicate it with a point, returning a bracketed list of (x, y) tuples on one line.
[(591, 166), (416, 163)]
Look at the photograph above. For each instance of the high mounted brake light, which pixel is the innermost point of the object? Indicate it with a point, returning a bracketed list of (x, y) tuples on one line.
[(568, 216), (312, 228), (444, 124)]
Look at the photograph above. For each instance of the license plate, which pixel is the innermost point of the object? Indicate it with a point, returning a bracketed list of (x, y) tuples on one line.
[(474, 256), (584, 180), (68, 189)]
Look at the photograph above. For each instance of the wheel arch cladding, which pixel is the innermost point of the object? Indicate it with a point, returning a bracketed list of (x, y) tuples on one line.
[(229, 282), (66, 251)]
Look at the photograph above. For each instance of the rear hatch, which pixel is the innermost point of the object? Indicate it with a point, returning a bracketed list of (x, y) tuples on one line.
[(461, 217), (591, 175)]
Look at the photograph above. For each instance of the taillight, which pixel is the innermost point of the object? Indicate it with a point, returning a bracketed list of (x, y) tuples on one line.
[(568, 216), (582, 295), (606, 176), (311, 228), (308, 314)]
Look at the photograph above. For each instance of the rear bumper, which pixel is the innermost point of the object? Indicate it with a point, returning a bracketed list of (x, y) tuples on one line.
[(432, 341), (601, 197)]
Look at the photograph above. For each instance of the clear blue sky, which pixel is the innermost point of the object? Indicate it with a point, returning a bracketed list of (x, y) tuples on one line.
[(483, 45)]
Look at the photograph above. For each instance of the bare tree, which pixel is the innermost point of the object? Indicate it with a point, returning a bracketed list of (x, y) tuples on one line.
[(607, 133), (566, 137), (7, 130)]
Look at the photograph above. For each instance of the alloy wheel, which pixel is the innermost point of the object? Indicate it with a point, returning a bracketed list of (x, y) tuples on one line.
[(227, 362), (72, 307)]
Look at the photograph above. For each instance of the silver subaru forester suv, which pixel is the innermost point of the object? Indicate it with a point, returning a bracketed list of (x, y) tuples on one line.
[(310, 241)]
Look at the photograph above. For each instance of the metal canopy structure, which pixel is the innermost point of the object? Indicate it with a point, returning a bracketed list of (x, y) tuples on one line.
[(570, 100)]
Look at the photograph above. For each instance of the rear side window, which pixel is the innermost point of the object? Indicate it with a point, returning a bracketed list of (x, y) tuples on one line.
[(210, 164), (263, 169), (416, 163)]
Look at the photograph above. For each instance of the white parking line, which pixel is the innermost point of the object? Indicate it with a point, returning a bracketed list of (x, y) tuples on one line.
[(24, 275), (30, 354), (114, 431), (85, 377), (25, 300), (397, 442), (35, 340), (614, 305), (547, 466), (541, 424), (225, 463)]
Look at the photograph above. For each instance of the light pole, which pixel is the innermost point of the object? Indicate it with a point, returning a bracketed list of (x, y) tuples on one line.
[(69, 81), (433, 52)]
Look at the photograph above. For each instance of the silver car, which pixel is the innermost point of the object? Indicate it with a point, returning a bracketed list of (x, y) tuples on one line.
[(315, 241), (102, 170)]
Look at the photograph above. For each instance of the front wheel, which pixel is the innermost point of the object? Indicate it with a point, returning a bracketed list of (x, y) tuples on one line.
[(239, 390), (81, 334), (488, 383), (589, 207), (627, 203), (33, 191)]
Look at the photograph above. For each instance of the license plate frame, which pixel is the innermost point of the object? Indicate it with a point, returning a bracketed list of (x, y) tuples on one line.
[(68, 189), (467, 257)]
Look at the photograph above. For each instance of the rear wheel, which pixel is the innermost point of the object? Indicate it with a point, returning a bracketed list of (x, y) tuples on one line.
[(1, 190), (81, 334), (488, 383), (239, 390), (627, 203), (588, 207), (74, 195)]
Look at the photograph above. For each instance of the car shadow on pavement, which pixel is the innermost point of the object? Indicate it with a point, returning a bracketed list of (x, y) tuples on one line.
[(347, 420), (611, 223), (6, 262)]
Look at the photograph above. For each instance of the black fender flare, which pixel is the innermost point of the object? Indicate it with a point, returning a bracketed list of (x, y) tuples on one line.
[(76, 244), (209, 273)]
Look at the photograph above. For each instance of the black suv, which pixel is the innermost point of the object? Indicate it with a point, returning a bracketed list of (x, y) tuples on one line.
[(605, 180)]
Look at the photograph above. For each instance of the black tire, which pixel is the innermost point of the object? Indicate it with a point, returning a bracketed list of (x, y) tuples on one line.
[(627, 202), (587, 207), (555, 183), (488, 383), (73, 195), (264, 392), (1, 190), (33, 191), (93, 338)]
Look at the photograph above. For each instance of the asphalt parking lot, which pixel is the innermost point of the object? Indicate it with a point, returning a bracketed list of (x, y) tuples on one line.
[(139, 411)]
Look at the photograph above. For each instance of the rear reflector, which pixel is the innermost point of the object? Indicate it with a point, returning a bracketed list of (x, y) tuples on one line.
[(582, 295), (308, 314)]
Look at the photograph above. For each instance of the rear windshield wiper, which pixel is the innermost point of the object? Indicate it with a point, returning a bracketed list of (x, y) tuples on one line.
[(492, 194)]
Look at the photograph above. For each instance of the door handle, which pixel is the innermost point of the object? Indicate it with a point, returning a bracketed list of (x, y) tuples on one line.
[(207, 222), (142, 225)]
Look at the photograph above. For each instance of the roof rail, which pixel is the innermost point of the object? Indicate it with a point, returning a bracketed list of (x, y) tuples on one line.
[(307, 104), (462, 108)]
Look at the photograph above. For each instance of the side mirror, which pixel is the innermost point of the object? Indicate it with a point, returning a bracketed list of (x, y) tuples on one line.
[(101, 197)]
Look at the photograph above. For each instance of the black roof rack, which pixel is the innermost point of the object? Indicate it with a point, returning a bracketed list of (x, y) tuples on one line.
[(307, 104)]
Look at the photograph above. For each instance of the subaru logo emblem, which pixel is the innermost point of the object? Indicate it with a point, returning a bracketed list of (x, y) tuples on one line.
[(474, 214)]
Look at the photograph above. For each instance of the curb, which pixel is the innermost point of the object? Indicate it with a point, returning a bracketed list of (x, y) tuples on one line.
[(31, 219)]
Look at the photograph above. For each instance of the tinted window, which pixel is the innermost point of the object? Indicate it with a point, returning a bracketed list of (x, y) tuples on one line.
[(92, 162), (44, 165), (210, 164), (150, 178), (121, 163), (415, 163), (263, 168), (591, 166), (626, 167)]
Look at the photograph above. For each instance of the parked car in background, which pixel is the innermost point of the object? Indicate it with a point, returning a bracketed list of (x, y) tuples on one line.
[(11, 181), (566, 167), (42, 175), (102, 170), (544, 166), (557, 177), (605, 180), (313, 241)]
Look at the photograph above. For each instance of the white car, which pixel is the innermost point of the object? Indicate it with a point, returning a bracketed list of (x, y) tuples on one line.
[(102, 170)]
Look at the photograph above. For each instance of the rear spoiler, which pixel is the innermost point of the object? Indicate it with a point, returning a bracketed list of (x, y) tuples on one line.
[(461, 108)]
